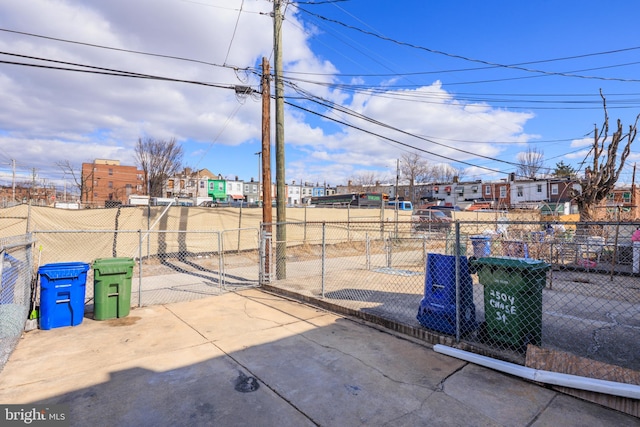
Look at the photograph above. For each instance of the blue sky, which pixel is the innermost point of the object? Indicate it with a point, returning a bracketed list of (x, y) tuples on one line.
[(466, 83)]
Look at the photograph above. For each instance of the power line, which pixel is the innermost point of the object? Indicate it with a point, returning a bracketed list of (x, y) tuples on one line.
[(482, 61), (112, 72), (119, 49), (235, 28)]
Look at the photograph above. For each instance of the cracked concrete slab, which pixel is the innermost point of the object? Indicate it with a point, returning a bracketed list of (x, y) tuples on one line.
[(253, 358)]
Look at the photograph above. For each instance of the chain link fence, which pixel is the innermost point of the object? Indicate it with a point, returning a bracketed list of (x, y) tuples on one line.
[(572, 288), (515, 287), (169, 266), (16, 274)]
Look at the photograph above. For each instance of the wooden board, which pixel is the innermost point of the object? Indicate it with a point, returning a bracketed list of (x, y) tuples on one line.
[(566, 363)]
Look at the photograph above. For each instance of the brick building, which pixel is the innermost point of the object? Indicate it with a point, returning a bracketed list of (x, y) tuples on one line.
[(106, 181)]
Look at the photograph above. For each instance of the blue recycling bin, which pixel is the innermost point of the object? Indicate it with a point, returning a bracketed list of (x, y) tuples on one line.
[(10, 273), (481, 246), (438, 306), (62, 292)]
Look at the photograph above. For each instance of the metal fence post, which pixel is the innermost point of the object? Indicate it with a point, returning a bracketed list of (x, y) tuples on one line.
[(457, 255), (220, 260), (139, 268), (324, 253), (368, 251)]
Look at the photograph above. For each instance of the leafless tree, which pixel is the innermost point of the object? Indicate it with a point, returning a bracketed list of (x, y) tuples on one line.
[(602, 175), (365, 178), (444, 173), (81, 182), (159, 159), (413, 168), (530, 162)]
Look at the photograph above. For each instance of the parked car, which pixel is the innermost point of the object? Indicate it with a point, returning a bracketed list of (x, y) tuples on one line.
[(430, 220), (447, 210)]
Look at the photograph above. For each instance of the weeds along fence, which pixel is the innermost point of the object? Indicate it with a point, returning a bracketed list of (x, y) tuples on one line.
[(517, 291)]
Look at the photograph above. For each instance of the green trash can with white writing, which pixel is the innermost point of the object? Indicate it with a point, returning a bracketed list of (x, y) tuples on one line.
[(512, 299)]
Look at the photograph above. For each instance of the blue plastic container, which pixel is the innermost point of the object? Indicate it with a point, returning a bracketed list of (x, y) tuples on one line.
[(10, 273), (481, 246), (62, 292), (438, 306)]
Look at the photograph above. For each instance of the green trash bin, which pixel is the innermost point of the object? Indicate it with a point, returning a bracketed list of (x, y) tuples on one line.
[(512, 299), (112, 287)]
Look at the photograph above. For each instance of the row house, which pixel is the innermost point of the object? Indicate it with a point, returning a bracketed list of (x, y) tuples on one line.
[(621, 203), (235, 190), (188, 184), (252, 192), (455, 193)]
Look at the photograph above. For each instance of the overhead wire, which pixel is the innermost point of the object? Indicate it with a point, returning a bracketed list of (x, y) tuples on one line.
[(235, 28), (469, 59), (139, 75), (329, 104)]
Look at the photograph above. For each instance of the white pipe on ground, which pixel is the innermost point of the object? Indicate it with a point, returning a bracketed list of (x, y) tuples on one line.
[(566, 380)]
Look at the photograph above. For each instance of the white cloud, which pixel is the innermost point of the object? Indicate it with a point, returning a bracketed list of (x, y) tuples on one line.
[(49, 116)]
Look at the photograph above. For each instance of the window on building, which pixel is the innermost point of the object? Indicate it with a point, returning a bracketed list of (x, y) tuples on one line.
[(127, 189), (520, 190), (110, 171), (201, 184), (212, 186), (487, 190), (626, 197), (170, 183), (539, 188), (554, 189), (503, 192), (139, 177), (110, 185), (254, 188), (221, 186)]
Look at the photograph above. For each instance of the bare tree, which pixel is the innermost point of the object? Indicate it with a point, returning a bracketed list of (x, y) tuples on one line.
[(413, 168), (81, 182), (602, 175), (530, 162), (444, 173), (159, 159), (365, 178)]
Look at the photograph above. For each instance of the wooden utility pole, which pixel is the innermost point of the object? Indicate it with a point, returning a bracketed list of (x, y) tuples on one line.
[(281, 209), (267, 213)]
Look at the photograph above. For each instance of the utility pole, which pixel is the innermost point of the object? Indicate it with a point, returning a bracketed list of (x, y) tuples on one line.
[(281, 212), (397, 200), (633, 190), (267, 212), (13, 179), (33, 184)]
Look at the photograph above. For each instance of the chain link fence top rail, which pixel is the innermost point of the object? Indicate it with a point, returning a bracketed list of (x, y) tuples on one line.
[(570, 287)]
